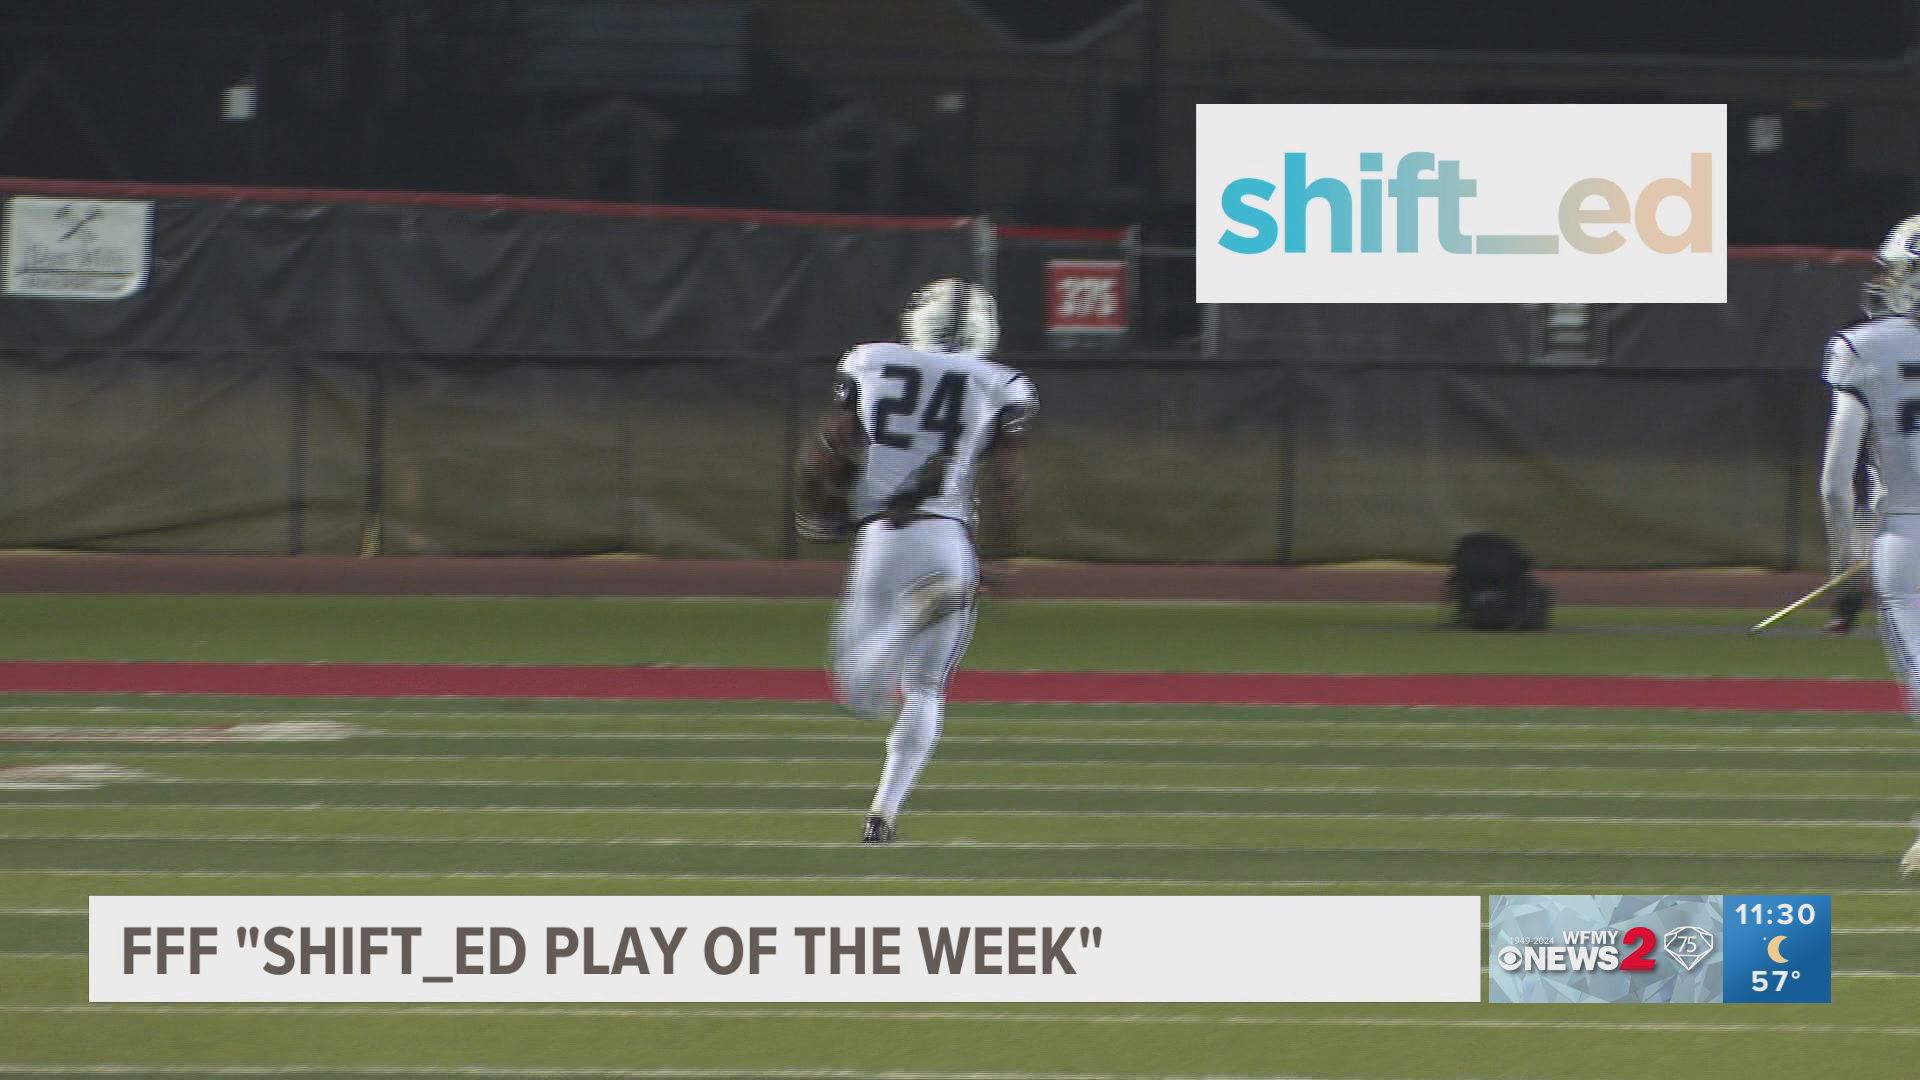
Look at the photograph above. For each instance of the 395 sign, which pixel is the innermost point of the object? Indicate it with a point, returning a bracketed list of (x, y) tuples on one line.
[(1086, 296)]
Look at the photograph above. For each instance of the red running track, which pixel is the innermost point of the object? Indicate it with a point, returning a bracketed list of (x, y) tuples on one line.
[(787, 684)]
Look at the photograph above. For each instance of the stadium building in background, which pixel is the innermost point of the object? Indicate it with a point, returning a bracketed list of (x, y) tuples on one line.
[(1067, 112)]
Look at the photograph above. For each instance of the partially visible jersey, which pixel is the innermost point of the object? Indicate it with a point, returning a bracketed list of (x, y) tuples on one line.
[(914, 404), (1878, 361)]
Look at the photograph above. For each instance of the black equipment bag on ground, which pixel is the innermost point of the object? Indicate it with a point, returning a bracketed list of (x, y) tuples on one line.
[(1491, 586)]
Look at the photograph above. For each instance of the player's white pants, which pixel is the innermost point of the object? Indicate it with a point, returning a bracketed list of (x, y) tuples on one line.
[(876, 653), (1896, 581), (887, 562)]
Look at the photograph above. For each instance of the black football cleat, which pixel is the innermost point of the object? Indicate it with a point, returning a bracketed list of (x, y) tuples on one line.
[(1846, 612), (878, 831)]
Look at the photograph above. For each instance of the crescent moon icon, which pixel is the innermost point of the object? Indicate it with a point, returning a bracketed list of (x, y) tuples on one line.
[(1773, 949)]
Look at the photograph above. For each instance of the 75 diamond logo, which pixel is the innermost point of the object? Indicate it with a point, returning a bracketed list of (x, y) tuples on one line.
[(1688, 945)]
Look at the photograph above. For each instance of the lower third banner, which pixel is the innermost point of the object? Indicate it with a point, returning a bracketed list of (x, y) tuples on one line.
[(784, 948)]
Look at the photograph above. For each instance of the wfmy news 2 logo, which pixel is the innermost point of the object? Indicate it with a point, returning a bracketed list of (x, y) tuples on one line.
[(1592, 949), (1461, 204)]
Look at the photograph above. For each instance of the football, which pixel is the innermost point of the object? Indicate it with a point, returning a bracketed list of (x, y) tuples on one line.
[(825, 469)]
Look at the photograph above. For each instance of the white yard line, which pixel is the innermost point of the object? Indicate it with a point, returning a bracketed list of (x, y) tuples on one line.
[(775, 1072), (1304, 718), (1482, 817), (195, 736), (1474, 888), (1128, 789), (251, 707), (1384, 742), (1010, 763), (1000, 1015), (1086, 715), (749, 844)]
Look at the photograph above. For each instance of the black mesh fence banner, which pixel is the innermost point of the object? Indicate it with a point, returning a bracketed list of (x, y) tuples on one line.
[(455, 276), (146, 452), (1439, 334), (1778, 315), (1590, 468), (463, 378), (1781, 307), (1137, 459), (1157, 461)]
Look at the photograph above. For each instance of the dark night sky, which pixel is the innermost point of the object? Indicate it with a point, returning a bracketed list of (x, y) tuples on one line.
[(1838, 29), (1842, 29), (128, 89), (1831, 29)]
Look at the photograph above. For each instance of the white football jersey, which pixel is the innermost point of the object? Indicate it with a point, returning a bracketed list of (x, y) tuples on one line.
[(914, 404), (1878, 361)]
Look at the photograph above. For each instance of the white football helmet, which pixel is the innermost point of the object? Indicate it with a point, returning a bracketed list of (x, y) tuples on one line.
[(951, 315), (1894, 288)]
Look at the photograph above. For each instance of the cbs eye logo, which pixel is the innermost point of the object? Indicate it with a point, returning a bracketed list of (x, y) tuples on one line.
[(1586, 950), (1599, 950)]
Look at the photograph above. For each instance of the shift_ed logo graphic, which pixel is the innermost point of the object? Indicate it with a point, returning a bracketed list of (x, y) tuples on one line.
[(1593, 203), (1379, 203)]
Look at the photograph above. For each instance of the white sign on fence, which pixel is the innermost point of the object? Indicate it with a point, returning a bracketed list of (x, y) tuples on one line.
[(77, 249)]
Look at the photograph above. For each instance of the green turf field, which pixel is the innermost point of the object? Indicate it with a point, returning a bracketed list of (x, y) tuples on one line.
[(598, 798)]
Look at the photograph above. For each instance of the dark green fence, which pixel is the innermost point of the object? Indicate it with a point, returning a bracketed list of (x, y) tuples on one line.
[(1154, 460)]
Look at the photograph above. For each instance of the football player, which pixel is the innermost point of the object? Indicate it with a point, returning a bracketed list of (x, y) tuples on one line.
[(919, 462), (1873, 369)]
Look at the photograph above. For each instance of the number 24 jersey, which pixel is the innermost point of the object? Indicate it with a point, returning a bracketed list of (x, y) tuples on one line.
[(914, 404)]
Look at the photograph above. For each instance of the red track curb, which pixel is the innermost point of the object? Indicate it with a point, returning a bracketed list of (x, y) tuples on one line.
[(790, 684)]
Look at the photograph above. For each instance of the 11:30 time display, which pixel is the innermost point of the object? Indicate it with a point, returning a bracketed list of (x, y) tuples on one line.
[(1757, 914)]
